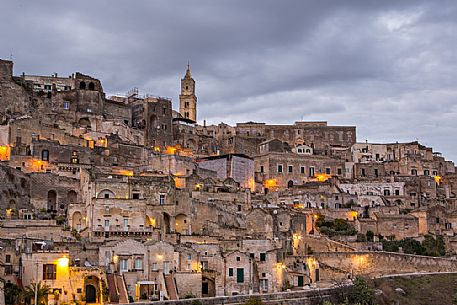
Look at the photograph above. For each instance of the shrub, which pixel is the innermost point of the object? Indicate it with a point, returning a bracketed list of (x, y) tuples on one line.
[(254, 301)]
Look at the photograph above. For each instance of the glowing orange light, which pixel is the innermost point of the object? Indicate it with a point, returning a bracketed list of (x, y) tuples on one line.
[(438, 179), (4, 153), (170, 150), (269, 183), (63, 262), (156, 148), (322, 177)]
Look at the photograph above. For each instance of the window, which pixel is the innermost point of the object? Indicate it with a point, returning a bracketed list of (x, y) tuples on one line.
[(362, 172), (308, 151), (138, 264), (89, 110), (45, 155), (106, 223), (47, 87), (166, 267), (205, 265), (263, 257), (162, 199), (264, 285), (126, 222), (376, 172), (426, 172), (189, 257), (136, 195), (240, 275), (8, 258), (230, 272), (302, 169), (397, 192), (261, 168), (327, 171), (123, 265), (49, 271), (154, 267), (290, 168), (339, 171), (414, 172), (386, 192), (238, 258), (66, 105), (311, 171), (239, 208), (279, 168)]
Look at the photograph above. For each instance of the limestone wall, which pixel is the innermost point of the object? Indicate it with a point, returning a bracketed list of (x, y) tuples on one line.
[(375, 264)]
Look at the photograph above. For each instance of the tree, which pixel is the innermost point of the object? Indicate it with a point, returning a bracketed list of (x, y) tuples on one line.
[(42, 292), (434, 247), (363, 294), (13, 294), (411, 246)]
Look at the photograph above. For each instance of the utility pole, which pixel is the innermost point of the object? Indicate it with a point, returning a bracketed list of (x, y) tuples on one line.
[(36, 285)]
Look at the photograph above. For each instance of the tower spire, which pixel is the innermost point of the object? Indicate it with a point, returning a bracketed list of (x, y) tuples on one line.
[(188, 74)]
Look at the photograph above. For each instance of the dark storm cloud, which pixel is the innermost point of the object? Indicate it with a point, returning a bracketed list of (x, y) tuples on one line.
[(388, 67)]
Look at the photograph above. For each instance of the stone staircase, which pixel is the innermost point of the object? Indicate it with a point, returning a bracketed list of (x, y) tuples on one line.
[(171, 286)]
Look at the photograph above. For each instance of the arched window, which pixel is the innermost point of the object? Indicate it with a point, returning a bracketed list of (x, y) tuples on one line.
[(91, 86), (82, 85), (106, 194), (45, 155)]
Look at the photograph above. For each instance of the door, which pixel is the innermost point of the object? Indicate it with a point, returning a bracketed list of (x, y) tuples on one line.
[(91, 294), (240, 275), (205, 289), (300, 281)]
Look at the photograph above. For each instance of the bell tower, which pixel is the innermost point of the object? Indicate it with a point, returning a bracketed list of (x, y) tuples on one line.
[(187, 98)]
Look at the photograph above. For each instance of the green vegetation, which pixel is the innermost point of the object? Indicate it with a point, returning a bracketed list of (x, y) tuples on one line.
[(335, 227), (361, 294), (429, 247), (42, 293)]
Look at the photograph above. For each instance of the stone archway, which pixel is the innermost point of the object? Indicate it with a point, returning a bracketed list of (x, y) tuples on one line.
[(76, 221), (182, 224)]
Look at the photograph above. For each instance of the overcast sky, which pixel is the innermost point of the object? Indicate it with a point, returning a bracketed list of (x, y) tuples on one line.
[(388, 67)]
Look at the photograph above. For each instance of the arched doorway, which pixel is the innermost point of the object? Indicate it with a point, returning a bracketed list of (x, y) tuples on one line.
[(76, 221), (182, 224), (52, 200), (290, 184), (72, 197), (91, 294), (84, 122)]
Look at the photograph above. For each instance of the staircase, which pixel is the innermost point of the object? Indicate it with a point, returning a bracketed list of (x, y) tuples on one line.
[(122, 290), (112, 288), (117, 290), (170, 286)]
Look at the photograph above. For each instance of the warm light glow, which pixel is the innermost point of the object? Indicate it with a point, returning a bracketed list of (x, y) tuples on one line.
[(115, 258), (63, 262), (270, 183), (438, 179), (198, 186), (159, 256), (9, 212), (316, 216), (156, 148), (353, 214), (321, 177), (125, 173), (4, 153), (170, 150), (299, 206)]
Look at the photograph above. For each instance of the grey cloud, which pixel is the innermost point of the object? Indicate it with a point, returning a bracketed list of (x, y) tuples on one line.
[(388, 67)]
